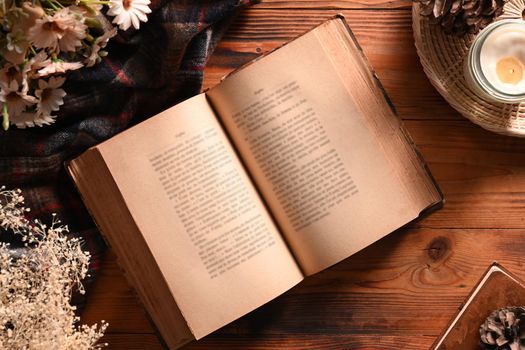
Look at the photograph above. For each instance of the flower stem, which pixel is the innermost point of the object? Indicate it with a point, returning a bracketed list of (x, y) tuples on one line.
[(53, 6), (97, 2), (5, 117)]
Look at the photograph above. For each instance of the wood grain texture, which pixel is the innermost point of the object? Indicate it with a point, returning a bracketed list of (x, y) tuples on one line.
[(386, 38), (410, 282), (400, 292), (481, 174), (321, 4), (311, 342)]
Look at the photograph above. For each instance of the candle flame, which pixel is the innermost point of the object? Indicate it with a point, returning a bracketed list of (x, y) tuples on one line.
[(510, 70)]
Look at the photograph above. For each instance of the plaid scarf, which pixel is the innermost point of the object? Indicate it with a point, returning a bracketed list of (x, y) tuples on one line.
[(146, 72)]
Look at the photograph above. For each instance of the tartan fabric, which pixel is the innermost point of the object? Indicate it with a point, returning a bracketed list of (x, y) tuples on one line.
[(146, 72)]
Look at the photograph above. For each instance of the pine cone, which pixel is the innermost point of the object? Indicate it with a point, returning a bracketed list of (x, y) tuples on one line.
[(501, 330), (459, 17)]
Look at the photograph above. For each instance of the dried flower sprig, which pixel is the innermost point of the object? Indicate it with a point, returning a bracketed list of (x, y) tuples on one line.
[(42, 39), (36, 284)]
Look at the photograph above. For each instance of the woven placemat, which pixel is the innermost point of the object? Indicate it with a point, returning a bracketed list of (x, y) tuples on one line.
[(442, 57)]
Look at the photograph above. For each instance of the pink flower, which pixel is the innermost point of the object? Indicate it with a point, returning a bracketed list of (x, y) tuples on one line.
[(45, 33), (37, 62), (59, 67), (31, 14), (50, 97), (12, 72), (100, 43), (74, 31), (17, 101), (64, 30), (19, 44)]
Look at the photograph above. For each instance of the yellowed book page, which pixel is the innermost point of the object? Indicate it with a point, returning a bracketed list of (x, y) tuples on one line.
[(368, 96), (202, 219), (318, 166)]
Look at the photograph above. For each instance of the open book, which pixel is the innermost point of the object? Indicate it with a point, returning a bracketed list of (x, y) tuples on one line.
[(498, 288), (227, 200)]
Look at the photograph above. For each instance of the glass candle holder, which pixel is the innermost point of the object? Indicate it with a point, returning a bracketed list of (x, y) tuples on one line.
[(495, 64)]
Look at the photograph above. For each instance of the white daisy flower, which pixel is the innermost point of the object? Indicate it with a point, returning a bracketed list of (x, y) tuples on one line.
[(129, 12), (31, 119)]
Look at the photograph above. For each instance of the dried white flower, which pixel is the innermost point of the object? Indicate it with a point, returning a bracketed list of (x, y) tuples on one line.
[(36, 284), (129, 12)]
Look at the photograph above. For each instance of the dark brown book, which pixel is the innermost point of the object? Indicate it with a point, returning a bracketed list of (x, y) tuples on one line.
[(227, 200), (497, 288)]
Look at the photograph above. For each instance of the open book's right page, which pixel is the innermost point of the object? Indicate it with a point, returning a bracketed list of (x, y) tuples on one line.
[(323, 146)]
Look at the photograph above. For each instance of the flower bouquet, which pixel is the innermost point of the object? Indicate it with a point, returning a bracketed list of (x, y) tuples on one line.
[(42, 40)]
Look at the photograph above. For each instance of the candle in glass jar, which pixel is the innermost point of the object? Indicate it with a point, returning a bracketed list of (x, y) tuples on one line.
[(495, 67), (502, 58)]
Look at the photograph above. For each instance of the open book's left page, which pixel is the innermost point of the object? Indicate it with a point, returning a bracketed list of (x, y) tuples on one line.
[(210, 234)]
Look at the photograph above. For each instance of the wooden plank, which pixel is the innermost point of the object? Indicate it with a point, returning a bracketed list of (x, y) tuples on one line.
[(390, 289), (112, 299), (386, 38), (337, 5), (126, 341), (300, 342), (480, 173), (315, 342), (267, 24)]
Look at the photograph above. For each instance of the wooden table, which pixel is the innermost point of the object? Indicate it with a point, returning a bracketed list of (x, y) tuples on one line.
[(400, 292)]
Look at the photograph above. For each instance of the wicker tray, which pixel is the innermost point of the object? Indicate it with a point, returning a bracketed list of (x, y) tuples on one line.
[(442, 58)]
